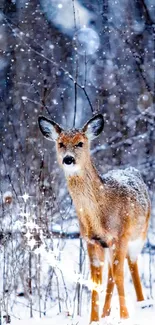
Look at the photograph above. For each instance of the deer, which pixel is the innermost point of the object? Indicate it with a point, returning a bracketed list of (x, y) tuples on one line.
[(113, 211)]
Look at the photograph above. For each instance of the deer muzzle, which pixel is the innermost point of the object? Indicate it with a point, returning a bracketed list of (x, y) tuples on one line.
[(68, 160)]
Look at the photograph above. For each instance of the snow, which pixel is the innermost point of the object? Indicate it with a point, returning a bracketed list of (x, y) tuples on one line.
[(87, 41), (62, 14), (129, 180), (134, 248), (139, 317), (66, 261)]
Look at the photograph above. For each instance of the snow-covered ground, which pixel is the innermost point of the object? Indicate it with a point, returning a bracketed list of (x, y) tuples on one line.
[(62, 299), (139, 316), (19, 308)]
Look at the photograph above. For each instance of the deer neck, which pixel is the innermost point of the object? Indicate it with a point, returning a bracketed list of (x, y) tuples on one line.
[(86, 183), (88, 194)]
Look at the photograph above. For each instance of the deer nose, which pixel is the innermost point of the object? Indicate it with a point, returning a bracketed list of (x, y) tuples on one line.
[(68, 160)]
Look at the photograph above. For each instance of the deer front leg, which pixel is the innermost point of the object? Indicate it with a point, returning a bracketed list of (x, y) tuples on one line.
[(109, 292), (96, 257)]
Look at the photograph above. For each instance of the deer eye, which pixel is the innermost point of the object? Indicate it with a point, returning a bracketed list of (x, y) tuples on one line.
[(61, 145), (80, 144)]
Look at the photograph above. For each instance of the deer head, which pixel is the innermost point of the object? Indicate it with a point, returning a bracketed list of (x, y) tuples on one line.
[(72, 146)]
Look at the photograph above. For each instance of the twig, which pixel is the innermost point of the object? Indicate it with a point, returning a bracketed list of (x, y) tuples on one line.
[(75, 91), (112, 145), (49, 60)]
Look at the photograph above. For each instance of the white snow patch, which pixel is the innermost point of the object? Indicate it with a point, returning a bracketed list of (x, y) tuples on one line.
[(64, 14), (112, 99), (131, 180), (145, 97), (134, 248), (24, 98), (87, 41), (139, 317)]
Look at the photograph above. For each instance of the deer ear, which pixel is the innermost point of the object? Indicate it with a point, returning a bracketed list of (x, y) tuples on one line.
[(49, 128), (94, 126)]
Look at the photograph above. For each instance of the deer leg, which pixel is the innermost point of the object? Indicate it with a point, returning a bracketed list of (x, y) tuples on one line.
[(133, 266), (96, 257), (109, 292), (118, 274)]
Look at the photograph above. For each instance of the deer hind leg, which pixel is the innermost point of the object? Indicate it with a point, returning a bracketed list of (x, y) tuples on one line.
[(109, 292), (118, 274), (96, 257), (133, 266)]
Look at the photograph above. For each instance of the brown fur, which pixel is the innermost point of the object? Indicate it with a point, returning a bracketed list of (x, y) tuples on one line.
[(107, 210)]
